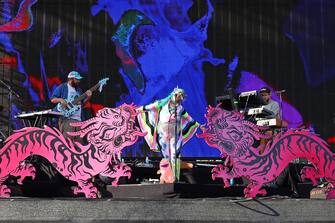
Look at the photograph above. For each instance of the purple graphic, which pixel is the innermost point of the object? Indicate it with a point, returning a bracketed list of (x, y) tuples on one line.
[(311, 27), (107, 134), (234, 137)]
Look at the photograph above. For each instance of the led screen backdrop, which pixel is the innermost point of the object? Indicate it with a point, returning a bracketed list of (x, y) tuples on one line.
[(149, 47)]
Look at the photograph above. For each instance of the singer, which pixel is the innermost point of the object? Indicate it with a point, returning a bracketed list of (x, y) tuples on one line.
[(168, 128)]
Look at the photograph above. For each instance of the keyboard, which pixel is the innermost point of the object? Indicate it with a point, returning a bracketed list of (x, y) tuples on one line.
[(271, 122), (38, 118), (260, 111), (248, 93), (47, 113)]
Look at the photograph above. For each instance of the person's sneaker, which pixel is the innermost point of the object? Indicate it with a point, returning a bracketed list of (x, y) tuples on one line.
[(295, 194)]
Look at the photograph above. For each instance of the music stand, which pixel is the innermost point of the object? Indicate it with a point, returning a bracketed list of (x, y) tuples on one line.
[(250, 99)]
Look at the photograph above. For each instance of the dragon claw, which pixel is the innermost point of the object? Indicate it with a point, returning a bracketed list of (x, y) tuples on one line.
[(4, 191), (128, 175), (115, 183), (262, 192), (92, 195), (221, 171), (251, 191), (89, 190), (23, 171), (75, 190), (246, 190), (119, 170), (311, 173)]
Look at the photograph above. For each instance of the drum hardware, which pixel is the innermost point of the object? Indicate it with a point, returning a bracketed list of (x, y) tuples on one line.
[(11, 94)]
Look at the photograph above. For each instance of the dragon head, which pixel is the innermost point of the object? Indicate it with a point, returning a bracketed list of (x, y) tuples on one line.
[(229, 132), (112, 129)]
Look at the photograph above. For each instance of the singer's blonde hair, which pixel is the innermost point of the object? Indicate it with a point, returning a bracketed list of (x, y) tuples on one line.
[(178, 90)]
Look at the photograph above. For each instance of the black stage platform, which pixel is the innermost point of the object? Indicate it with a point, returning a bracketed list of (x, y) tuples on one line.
[(184, 190)]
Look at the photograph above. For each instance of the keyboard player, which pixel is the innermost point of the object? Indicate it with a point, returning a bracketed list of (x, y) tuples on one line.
[(269, 104), (272, 107)]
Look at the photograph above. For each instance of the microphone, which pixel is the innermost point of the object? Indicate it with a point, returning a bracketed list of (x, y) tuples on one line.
[(281, 91)]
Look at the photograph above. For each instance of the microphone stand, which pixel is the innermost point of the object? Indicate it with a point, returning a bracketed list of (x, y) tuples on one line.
[(11, 93), (175, 138), (281, 108)]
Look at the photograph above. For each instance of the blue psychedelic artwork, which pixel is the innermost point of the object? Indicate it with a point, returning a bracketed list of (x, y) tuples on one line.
[(159, 51), (148, 48)]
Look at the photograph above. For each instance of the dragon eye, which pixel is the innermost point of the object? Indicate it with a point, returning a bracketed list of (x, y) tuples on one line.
[(108, 134), (235, 135), (118, 141), (227, 146)]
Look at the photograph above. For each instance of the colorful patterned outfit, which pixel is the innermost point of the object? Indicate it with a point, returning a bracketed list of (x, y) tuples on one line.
[(168, 128)]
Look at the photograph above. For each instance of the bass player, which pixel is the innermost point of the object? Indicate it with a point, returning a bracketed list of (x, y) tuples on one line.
[(63, 94)]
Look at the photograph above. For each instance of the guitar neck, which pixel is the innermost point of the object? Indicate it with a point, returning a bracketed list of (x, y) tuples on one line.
[(83, 96)]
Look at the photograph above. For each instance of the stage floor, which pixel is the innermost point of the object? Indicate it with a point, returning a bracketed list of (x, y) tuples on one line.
[(161, 202), (274, 209)]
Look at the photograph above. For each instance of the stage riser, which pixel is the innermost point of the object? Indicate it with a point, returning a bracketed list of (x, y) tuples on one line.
[(181, 190)]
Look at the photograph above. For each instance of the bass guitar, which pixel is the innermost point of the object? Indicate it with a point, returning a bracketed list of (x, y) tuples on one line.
[(73, 104)]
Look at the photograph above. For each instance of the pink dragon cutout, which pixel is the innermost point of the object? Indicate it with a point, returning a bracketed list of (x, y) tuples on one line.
[(107, 134), (234, 137)]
